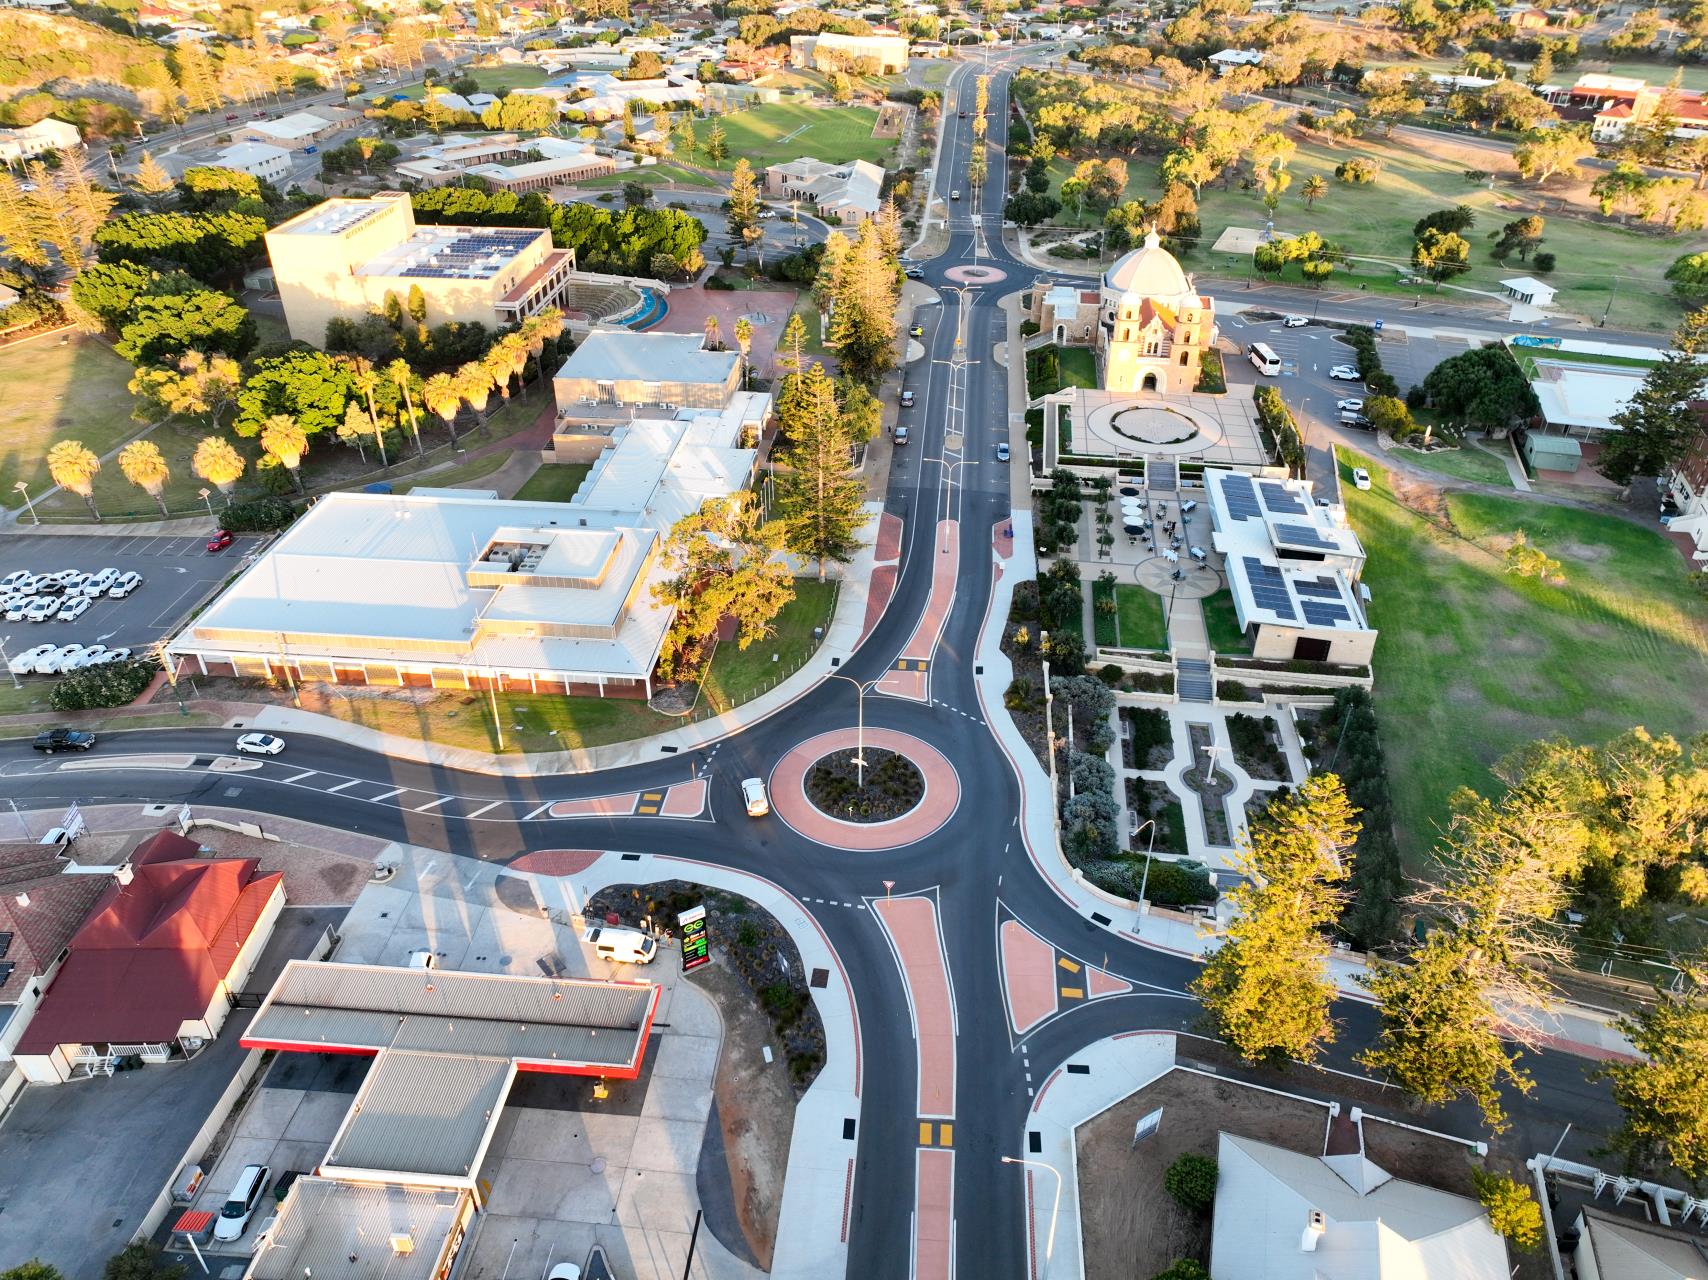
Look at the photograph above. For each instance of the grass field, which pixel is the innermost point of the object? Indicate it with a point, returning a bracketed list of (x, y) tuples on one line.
[(52, 391), (490, 80), (653, 175), (779, 131), (465, 473), (1469, 462), (1221, 624), (554, 482), (1138, 622), (1473, 662), (1376, 221)]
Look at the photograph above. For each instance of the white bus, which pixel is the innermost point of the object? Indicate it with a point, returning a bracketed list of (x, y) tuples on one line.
[(1264, 360)]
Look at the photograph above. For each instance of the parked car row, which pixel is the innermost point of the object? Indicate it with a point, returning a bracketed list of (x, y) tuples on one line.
[(60, 659), (66, 594)]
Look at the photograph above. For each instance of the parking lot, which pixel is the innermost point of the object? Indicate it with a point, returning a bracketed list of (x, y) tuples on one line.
[(177, 573)]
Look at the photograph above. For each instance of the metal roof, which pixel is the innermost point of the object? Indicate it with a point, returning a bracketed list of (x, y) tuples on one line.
[(605, 356), (423, 1113)]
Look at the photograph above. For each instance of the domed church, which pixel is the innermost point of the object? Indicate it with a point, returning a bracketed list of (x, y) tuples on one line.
[(1154, 327)]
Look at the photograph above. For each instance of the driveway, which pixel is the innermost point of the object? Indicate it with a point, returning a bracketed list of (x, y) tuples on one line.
[(81, 1163)]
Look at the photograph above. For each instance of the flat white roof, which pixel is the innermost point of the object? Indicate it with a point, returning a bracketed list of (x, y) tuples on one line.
[(1583, 397), (610, 356), (330, 1228), (1290, 562), (248, 152), (299, 124), (668, 467)]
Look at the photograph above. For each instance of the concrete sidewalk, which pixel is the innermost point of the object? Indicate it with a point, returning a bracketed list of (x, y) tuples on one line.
[(841, 639)]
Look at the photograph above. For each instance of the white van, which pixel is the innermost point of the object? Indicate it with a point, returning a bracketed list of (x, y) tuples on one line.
[(241, 1204), (621, 946)]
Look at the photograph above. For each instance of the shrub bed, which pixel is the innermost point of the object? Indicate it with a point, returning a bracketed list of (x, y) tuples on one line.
[(110, 684), (893, 786)]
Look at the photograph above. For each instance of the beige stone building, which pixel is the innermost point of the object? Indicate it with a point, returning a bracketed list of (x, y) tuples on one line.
[(851, 192), (832, 51), (342, 257)]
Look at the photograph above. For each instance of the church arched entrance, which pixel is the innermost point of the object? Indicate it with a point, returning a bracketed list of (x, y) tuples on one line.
[(1149, 383)]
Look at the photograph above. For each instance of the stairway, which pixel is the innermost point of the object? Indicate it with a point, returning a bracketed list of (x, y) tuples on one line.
[(1192, 680), (1161, 477)]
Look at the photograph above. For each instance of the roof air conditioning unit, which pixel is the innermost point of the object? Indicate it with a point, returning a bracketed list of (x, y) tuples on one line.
[(403, 1244), (1315, 1225)]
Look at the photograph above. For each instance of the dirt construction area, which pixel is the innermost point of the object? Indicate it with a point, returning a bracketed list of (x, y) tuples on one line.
[(1132, 1227), (892, 116)]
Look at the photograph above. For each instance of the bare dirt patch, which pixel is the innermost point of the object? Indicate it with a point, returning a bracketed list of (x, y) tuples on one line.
[(1132, 1227), (1427, 500), (891, 117)]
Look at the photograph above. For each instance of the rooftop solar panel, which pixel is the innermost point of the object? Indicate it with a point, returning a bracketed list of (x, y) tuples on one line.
[(1268, 588), (1240, 497), (1279, 500), (1302, 535), (1323, 588), (1324, 615)]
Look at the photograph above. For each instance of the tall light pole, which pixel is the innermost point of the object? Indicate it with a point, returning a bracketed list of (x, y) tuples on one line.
[(1145, 879), (24, 489), (1050, 1243), (206, 495), (8, 662), (860, 720)]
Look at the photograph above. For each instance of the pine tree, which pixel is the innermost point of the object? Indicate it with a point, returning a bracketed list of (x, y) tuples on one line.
[(793, 342), (198, 79), (1267, 988), (863, 323), (20, 223), (819, 498), (717, 144), (828, 279), (151, 177), (1657, 425), (743, 199)]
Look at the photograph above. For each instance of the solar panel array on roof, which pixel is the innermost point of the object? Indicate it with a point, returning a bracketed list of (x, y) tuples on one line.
[(1323, 588), (337, 219), (1268, 588), (1302, 535), (1279, 499), (1319, 614), (1240, 497), (470, 257)]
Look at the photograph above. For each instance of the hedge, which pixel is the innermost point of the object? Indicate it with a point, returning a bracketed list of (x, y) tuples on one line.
[(109, 684), (259, 516)]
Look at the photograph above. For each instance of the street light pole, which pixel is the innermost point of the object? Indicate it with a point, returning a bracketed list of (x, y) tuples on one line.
[(1050, 1243), (1145, 879), (24, 489), (8, 662), (860, 721), (206, 495)]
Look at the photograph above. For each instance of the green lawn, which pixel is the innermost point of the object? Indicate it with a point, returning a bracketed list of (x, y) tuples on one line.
[(52, 391), (759, 134), (1375, 222), (1079, 367), (653, 175), (490, 79), (554, 482), (1138, 622), (1472, 662), (738, 675), (462, 475), (1221, 624), (1468, 462)]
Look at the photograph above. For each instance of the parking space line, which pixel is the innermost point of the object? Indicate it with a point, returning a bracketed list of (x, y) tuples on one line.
[(483, 808), (387, 795), (432, 804), (342, 785), (306, 773)]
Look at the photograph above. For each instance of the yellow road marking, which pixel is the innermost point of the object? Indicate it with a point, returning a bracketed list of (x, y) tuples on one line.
[(1072, 966), (1073, 993), (925, 1133), (945, 1135)]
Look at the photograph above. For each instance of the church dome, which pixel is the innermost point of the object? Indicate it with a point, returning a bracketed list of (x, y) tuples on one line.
[(1148, 272)]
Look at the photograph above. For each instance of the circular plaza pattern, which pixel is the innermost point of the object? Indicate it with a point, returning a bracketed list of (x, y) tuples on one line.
[(975, 275), (1121, 425), (942, 792)]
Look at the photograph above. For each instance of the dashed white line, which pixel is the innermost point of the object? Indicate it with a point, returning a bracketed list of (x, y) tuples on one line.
[(432, 804), (342, 785), (306, 773), (483, 808), (387, 795)]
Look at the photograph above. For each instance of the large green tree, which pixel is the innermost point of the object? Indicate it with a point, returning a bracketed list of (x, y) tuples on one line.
[(1664, 1093), (863, 321), (309, 386), (1267, 988), (820, 498), (723, 560), (1657, 426), (164, 327)]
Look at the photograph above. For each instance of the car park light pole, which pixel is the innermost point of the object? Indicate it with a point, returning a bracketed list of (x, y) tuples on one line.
[(3, 658), (206, 495), (24, 489)]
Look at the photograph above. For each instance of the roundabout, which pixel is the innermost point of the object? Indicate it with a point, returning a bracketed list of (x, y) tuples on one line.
[(975, 275), (817, 768)]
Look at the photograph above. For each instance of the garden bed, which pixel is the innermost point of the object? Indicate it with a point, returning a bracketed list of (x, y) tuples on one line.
[(1257, 747), (891, 786), (1148, 742), (1152, 800)]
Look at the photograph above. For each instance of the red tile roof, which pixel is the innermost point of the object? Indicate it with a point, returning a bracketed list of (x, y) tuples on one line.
[(57, 905), (154, 952)]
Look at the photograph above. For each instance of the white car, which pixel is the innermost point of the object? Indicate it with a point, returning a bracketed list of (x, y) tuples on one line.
[(15, 580), (96, 584), (1344, 373), (1360, 478), (42, 608), (92, 656), (261, 744), (1294, 322), (1350, 404), (564, 1271), (121, 654), (73, 608), (59, 577), (126, 583), (25, 663), (56, 662), (753, 795), (18, 608)]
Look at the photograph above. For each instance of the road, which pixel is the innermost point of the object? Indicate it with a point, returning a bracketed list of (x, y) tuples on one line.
[(975, 869)]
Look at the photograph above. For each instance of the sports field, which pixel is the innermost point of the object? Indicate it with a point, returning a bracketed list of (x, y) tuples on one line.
[(53, 388), (779, 131)]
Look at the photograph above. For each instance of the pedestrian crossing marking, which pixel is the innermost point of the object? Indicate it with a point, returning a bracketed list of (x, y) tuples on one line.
[(1073, 993), (945, 1135), (925, 1133)]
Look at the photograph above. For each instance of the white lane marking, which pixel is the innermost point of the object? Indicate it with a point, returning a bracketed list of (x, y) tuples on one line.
[(483, 808), (387, 795), (432, 804), (537, 812), (342, 785), (306, 773)]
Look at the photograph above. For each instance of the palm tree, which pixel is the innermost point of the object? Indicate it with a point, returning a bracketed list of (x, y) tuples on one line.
[(498, 366), (217, 462), (515, 349), (744, 340), (712, 341), (145, 467), (73, 467), (403, 377), (443, 396), (283, 438), (1314, 189), (366, 380), (475, 381)]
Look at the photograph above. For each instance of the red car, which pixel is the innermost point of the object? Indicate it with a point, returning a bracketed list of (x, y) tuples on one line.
[(221, 540), (231, 115)]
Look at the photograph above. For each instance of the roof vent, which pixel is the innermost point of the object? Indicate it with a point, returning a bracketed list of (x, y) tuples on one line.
[(1315, 1225), (403, 1244)]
